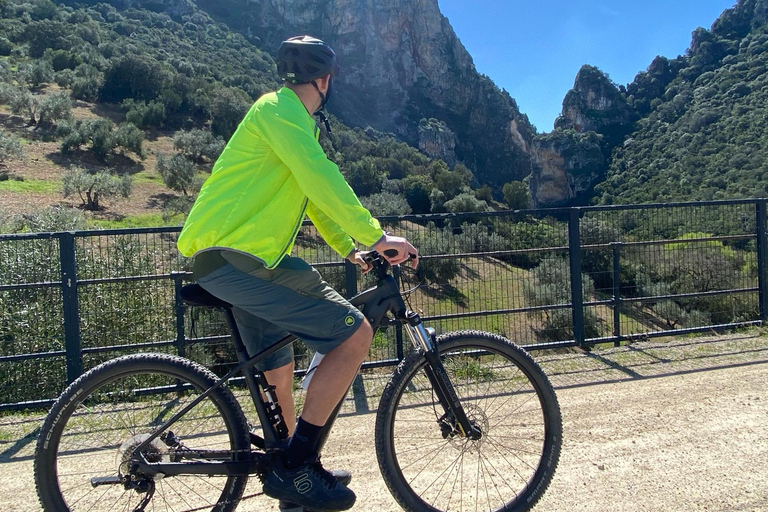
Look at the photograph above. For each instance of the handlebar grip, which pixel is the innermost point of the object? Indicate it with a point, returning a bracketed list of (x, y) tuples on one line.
[(391, 253)]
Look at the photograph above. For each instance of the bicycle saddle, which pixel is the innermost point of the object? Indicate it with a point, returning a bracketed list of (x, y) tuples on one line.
[(195, 295)]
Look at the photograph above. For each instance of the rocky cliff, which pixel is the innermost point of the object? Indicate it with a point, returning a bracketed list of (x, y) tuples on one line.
[(673, 97), (400, 62)]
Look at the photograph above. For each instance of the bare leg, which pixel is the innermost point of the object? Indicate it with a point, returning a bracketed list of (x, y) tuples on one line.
[(282, 379), (334, 375)]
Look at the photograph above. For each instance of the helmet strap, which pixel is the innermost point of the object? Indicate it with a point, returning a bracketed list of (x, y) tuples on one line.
[(331, 137), (323, 97)]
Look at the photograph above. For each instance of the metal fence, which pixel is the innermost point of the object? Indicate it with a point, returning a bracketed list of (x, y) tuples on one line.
[(543, 278)]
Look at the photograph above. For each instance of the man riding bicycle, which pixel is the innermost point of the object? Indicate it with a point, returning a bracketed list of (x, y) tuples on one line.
[(241, 230)]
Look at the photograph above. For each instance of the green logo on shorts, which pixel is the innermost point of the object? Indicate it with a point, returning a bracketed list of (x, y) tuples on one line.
[(350, 321)]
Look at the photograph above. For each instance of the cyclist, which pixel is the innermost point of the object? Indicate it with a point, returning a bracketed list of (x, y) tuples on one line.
[(241, 230)]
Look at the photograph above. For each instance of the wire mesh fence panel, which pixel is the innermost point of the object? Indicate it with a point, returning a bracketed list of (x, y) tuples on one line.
[(31, 319), (672, 268)]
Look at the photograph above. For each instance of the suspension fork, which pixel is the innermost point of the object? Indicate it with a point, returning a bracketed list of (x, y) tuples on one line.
[(424, 341)]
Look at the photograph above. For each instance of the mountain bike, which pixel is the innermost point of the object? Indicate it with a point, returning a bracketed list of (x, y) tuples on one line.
[(467, 421)]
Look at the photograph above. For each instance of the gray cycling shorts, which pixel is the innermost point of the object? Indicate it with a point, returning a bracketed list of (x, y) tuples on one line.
[(271, 304)]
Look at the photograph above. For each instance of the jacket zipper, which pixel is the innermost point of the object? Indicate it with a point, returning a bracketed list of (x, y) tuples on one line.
[(295, 232)]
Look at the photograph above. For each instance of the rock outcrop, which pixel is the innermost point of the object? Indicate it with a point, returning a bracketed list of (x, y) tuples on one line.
[(436, 140), (567, 164), (594, 104)]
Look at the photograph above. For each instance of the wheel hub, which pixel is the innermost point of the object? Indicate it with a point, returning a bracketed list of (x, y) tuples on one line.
[(153, 452), (451, 429)]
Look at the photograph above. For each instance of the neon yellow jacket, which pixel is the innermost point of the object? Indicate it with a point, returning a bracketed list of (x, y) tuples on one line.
[(271, 173)]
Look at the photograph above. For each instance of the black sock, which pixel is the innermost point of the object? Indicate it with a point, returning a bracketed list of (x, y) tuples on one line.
[(302, 444)]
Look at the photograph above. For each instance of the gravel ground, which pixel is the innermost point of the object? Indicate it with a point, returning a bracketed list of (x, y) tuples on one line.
[(676, 425)]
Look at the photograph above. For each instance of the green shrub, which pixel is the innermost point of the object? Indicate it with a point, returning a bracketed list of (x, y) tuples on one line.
[(516, 195), (130, 138), (87, 82), (134, 76), (72, 134), (49, 219), (228, 108), (363, 176), (102, 135), (64, 78), (23, 103), (386, 203), (551, 285), (35, 73), (466, 202), (479, 238), (143, 114), (416, 189), (54, 108), (198, 145), (63, 59), (5, 47), (437, 242), (10, 147)]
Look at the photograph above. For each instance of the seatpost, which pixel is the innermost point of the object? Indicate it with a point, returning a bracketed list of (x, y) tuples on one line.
[(271, 435)]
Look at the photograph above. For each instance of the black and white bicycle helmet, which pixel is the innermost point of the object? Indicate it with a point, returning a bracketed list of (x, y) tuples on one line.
[(302, 59)]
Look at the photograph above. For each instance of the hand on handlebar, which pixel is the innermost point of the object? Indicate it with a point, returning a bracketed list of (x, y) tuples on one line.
[(358, 258), (396, 250)]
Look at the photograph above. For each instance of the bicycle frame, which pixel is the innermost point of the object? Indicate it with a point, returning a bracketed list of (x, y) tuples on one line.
[(375, 303)]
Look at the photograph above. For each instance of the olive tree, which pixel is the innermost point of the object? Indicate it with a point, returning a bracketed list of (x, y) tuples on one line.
[(93, 186)]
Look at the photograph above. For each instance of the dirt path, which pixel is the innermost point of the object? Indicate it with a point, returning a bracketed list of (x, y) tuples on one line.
[(679, 426)]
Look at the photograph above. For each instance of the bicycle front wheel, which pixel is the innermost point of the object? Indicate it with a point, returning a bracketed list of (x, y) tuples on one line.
[(430, 466), (85, 453)]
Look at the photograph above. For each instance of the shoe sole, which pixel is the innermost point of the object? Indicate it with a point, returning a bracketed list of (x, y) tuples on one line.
[(280, 494)]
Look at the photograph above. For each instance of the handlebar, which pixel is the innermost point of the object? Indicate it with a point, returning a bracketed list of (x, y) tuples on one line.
[(380, 263)]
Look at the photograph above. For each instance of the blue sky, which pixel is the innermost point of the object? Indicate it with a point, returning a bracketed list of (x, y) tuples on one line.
[(534, 48)]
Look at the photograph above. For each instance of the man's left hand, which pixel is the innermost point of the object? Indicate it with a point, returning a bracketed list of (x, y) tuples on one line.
[(358, 258)]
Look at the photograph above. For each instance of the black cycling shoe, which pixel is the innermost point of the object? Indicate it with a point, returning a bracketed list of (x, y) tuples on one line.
[(341, 475), (309, 486)]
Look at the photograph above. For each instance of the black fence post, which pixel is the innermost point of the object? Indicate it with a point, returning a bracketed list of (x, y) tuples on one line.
[(179, 308), (71, 307), (762, 251), (577, 300), (616, 247), (350, 278)]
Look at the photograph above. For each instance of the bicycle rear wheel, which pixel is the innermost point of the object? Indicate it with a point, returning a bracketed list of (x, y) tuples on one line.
[(83, 455), (426, 462)]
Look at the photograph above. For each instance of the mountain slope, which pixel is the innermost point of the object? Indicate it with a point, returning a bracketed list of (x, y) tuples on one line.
[(706, 135), (691, 128)]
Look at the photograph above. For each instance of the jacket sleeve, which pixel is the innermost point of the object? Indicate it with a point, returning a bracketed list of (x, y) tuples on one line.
[(330, 231), (288, 132)]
